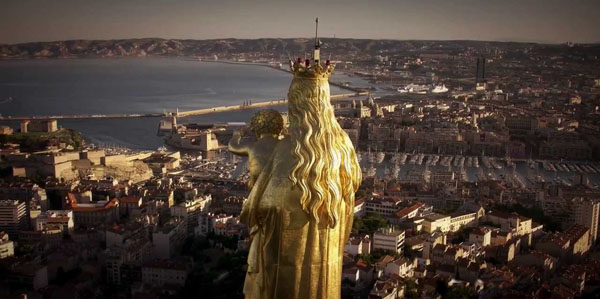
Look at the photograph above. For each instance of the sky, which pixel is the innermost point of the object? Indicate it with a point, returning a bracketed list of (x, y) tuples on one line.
[(546, 21)]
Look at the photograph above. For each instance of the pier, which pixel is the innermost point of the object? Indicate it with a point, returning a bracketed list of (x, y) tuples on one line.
[(180, 114), (256, 105)]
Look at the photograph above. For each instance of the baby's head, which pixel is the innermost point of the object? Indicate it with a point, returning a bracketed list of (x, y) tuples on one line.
[(268, 122)]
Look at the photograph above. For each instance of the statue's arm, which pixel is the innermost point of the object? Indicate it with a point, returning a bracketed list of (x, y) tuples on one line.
[(237, 145)]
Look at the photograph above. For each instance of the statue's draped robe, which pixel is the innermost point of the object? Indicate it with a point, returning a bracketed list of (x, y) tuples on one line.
[(291, 256)]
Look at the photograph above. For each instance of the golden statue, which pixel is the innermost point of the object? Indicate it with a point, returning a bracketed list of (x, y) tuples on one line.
[(301, 205), (267, 125)]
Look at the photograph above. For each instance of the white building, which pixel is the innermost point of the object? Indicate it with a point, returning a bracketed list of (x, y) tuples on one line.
[(481, 236), (435, 222), (352, 274), (409, 212), (389, 239), (510, 222), (402, 267), (208, 223), (118, 234), (120, 257), (129, 206), (359, 208), (12, 216), (162, 272), (168, 238), (61, 218), (7, 247), (586, 213), (462, 219), (384, 206), (92, 214), (190, 210), (358, 245)]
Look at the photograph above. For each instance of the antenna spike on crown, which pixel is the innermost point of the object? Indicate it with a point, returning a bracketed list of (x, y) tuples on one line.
[(312, 70), (317, 32)]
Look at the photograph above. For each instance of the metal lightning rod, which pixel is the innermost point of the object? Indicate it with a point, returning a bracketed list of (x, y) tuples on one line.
[(316, 32)]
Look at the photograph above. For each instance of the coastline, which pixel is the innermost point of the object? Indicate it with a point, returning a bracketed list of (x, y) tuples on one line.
[(268, 65)]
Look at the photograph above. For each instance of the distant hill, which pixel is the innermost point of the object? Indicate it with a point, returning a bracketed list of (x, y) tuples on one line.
[(274, 47)]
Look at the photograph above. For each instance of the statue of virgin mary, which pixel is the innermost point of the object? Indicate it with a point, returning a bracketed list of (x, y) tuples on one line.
[(301, 206)]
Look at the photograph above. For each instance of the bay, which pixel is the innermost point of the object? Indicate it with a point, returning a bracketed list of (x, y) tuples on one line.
[(134, 85)]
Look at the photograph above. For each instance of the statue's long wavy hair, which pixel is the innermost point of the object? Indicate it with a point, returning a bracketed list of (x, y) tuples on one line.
[(327, 170)]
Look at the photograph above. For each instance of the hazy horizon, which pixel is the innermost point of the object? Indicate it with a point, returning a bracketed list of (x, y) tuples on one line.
[(550, 21), (304, 37)]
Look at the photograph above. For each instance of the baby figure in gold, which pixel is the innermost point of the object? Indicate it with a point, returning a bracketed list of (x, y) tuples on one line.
[(267, 125)]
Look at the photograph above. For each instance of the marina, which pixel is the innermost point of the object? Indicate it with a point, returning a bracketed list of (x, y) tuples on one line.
[(519, 173)]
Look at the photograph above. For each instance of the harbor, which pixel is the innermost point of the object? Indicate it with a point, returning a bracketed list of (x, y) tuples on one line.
[(421, 168), (519, 173)]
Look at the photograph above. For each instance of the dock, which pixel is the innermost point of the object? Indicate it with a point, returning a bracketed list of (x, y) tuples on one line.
[(256, 105)]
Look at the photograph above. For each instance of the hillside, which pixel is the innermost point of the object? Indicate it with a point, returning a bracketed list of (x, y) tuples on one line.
[(228, 47)]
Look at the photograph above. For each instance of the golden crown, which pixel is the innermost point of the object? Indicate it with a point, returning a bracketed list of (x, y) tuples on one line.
[(304, 69)]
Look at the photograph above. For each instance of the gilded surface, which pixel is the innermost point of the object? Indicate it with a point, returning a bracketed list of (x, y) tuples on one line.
[(301, 202), (266, 125)]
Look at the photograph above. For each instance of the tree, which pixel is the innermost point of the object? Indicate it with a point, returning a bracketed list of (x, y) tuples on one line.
[(357, 225), (410, 253), (369, 224), (535, 213), (411, 289), (441, 287), (179, 196), (461, 235), (459, 292)]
